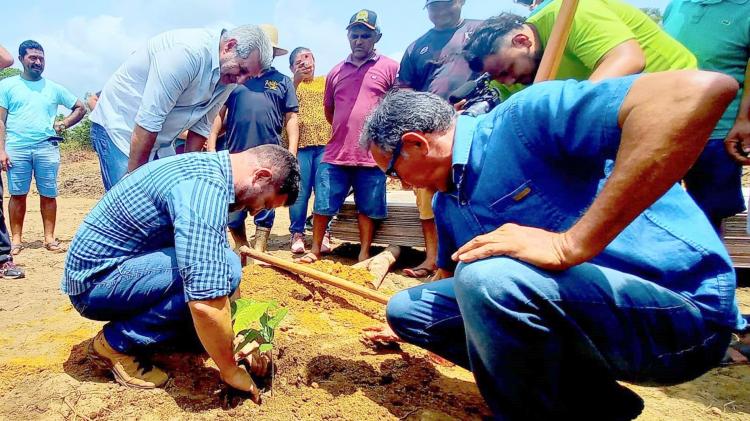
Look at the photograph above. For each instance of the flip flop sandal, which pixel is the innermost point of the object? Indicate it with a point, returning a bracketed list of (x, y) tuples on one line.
[(15, 249), (308, 258), (418, 272), (738, 348), (54, 247)]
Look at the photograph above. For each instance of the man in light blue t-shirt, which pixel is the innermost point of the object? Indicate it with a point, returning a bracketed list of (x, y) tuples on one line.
[(29, 142)]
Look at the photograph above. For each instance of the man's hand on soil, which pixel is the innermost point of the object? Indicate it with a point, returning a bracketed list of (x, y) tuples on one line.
[(238, 378), (259, 363), (543, 249), (379, 336)]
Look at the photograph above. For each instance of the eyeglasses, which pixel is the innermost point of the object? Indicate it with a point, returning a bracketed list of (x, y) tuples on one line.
[(391, 170)]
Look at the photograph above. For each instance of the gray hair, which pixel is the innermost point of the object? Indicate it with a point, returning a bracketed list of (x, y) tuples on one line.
[(403, 111), (250, 38)]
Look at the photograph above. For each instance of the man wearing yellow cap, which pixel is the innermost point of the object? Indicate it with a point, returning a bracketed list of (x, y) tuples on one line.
[(255, 114)]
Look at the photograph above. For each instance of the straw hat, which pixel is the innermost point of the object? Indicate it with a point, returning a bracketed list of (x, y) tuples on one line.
[(273, 34)]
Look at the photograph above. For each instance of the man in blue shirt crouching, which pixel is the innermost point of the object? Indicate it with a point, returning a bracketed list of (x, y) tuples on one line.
[(152, 258), (570, 256)]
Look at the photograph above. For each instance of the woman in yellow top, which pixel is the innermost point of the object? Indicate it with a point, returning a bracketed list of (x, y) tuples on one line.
[(314, 134)]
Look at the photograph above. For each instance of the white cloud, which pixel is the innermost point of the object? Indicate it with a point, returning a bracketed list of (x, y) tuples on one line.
[(84, 51), (300, 24)]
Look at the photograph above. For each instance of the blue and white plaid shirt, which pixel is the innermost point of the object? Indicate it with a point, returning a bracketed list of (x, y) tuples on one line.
[(179, 202)]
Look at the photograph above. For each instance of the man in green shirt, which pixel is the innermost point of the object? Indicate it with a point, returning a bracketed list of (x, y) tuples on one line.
[(609, 38), (718, 33)]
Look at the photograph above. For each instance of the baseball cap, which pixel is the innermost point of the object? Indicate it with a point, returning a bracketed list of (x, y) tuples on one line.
[(429, 2), (365, 17)]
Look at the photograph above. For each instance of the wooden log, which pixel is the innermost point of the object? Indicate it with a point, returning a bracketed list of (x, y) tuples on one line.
[(323, 277), (558, 39)]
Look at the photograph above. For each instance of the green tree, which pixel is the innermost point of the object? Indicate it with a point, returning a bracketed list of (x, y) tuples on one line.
[(10, 71), (654, 13)]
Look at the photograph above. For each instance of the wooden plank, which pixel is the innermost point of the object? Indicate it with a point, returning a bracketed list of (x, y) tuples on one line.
[(736, 239), (402, 227)]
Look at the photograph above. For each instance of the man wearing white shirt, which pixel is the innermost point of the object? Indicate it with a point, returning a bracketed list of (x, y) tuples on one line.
[(177, 82)]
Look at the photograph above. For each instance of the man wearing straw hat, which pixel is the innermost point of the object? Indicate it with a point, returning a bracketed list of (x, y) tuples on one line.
[(255, 114)]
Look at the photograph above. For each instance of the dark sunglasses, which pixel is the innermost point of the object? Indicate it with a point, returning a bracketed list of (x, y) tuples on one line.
[(391, 171)]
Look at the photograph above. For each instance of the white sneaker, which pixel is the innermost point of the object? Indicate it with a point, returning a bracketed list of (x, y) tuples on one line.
[(298, 243)]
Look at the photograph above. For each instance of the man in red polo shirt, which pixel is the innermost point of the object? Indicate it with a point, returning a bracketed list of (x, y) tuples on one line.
[(353, 88)]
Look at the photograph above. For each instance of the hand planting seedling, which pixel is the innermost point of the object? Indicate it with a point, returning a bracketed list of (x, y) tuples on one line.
[(256, 322)]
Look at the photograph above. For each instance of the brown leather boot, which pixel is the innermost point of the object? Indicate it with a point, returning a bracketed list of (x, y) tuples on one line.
[(128, 370)]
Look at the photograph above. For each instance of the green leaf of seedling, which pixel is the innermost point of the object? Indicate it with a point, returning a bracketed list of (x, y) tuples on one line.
[(266, 331), (265, 347), (277, 318), (250, 335), (256, 319), (247, 314)]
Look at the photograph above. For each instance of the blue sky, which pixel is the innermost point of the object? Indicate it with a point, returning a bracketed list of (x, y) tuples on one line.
[(85, 41)]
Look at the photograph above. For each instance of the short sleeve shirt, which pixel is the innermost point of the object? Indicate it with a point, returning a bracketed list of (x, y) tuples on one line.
[(601, 25), (353, 92), (435, 62), (718, 33), (32, 107), (314, 129), (256, 111), (547, 174)]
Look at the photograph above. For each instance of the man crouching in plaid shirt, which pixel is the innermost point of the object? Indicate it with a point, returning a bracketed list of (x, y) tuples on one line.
[(152, 258)]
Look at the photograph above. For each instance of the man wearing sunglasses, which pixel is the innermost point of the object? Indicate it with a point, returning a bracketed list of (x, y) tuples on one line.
[(568, 274)]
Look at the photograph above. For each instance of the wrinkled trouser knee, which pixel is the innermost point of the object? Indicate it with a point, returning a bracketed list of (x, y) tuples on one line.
[(544, 344), (145, 303), (428, 316)]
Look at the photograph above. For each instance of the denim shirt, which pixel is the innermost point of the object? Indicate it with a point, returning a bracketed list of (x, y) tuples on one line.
[(541, 158)]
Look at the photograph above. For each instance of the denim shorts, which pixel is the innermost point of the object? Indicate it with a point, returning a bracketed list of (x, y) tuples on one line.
[(332, 184), (42, 160)]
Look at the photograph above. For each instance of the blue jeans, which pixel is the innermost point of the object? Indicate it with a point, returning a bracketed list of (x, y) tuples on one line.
[(4, 237), (309, 160), (144, 302), (263, 219), (112, 162), (551, 344), (42, 160)]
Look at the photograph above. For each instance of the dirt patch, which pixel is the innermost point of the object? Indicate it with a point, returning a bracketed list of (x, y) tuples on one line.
[(79, 175), (358, 276), (324, 372)]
